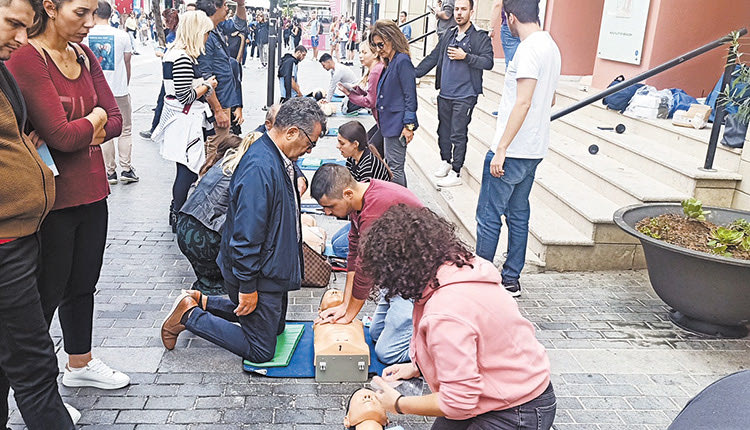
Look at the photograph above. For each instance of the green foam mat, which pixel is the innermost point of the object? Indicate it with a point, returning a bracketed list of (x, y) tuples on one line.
[(286, 343)]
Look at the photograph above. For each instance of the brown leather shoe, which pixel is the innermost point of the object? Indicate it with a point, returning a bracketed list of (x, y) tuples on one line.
[(199, 297), (172, 327)]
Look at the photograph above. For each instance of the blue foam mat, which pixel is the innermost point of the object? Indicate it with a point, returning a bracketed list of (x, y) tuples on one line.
[(302, 363)]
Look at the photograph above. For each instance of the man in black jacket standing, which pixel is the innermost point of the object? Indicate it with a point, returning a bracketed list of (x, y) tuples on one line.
[(461, 55), (261, 248), (287, 73)]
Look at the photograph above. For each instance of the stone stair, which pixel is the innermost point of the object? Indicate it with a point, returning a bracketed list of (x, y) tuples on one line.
[(576, 193)]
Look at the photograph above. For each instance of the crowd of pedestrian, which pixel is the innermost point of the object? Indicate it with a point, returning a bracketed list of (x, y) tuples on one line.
[(65, 102)]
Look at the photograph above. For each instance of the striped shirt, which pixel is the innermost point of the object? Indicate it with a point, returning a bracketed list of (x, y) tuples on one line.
[(369, 167), (181, 76)]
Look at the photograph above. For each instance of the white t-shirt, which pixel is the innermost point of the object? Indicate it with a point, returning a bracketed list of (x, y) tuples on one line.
[(537, 57), (344, 32), (109, 45)]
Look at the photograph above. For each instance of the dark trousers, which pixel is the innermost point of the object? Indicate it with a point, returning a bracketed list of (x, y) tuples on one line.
[(453, 129), (201, 247), (537, 414), (183, 179), (27, 355), (158, 109), (375, 138), (73, 249), (255, 338)]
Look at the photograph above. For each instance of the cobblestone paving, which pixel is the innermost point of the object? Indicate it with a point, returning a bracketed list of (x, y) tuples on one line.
[(617, 361)]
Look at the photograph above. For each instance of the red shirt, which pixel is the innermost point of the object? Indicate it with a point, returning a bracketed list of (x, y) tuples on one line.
[(378, 198), (57, 107)]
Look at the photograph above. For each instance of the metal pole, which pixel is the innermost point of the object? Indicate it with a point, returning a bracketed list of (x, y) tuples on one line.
[(645, 75), (424, 42), (271, 52), (720, 110)]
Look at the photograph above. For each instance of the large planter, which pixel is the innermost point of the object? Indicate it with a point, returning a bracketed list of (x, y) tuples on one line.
[(708, 294)]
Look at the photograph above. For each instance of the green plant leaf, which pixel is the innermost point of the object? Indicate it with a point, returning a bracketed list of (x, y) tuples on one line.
[(728, 236), (693, 209)]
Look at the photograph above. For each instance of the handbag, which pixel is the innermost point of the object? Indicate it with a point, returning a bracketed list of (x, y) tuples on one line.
[(619, 101), (317, 268)]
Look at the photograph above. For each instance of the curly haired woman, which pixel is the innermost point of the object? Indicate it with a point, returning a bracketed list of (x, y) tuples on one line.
[(479, 356)]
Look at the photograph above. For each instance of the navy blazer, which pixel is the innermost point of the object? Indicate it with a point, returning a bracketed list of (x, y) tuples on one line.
[(260, 249), (397, 96)]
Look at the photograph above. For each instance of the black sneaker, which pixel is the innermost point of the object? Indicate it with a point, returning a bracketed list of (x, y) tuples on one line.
[(128, 176), (146, 134), (513, 288), (112, 178)]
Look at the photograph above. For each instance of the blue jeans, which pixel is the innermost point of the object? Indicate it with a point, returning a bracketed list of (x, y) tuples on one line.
[(340, 241), (507, 195), (391, 329), (254, 338), (536, 414), (510, 43)]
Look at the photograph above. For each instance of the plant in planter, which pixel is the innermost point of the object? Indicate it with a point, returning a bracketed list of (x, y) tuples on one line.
[(736, 97), (698, 262)]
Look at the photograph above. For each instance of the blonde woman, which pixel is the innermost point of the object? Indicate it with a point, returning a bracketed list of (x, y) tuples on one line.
[(365, 94), (184, 121), (202, 216)]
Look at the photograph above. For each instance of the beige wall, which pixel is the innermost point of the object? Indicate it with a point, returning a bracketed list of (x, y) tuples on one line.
[(742, 194)]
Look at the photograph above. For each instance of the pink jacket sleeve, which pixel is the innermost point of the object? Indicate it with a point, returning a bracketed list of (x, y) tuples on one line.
[(46, 112), (455, 343), (369, 98)]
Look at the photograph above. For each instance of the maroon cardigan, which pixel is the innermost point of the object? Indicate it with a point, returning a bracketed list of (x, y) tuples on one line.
[(57, 107)]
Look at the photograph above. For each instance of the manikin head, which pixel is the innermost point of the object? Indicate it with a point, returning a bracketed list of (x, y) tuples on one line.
[(331, 298), (462, 12), (336, 190), (327, 62), (365, 408), (16, 16), (520, 12)]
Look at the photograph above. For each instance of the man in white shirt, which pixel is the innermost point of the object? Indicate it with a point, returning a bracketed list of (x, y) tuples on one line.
[(339, 73), (112, 48), (520, 142)]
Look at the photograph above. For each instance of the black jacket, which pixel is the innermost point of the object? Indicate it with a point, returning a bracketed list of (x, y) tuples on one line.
[(286, 70), (480, 56), (260, 249)]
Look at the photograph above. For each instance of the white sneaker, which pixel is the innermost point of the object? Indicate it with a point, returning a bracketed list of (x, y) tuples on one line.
[(450, 180), (73, 412), (96, 374), (443, 170)]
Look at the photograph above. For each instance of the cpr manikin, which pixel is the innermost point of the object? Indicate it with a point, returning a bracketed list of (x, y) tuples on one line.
[(364, 411), (332, 339)]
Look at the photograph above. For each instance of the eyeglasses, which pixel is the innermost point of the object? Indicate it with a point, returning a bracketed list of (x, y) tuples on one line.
[(379, 45), (310, 142)]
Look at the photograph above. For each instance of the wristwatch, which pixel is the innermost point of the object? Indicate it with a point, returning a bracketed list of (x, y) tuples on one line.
[(410, 127)]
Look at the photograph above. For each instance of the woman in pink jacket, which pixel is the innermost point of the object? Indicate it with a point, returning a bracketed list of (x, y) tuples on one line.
[(480, 357)]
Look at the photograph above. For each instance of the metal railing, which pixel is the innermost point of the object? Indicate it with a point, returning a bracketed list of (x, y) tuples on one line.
[(425, 33), (720, 103)]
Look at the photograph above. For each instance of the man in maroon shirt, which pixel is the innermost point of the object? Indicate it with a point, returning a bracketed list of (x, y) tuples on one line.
[(364, 202)]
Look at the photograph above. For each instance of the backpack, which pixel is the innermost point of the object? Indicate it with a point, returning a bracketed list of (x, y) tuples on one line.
[(620, 100)]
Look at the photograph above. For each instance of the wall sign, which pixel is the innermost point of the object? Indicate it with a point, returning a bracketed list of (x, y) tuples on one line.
[(623, 30)]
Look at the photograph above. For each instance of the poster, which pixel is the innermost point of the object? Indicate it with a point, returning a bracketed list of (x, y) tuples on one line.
[(623, 30)]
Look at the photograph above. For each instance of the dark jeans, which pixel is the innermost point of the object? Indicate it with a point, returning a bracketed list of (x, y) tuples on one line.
[(453, 129), (201, 247), (375, 138), (537, 414), (73, 248), (255, 338), (158, 109), (183, 179), (27, 355), (507, 195)]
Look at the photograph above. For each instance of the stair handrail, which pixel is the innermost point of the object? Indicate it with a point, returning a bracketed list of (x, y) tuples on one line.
[(425, 33), (720, 108)]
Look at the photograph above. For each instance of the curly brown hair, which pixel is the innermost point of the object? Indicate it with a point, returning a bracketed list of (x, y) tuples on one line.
[(403, 250)]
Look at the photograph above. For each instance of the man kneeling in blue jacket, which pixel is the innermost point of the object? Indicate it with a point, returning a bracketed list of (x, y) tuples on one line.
[(261, 247)]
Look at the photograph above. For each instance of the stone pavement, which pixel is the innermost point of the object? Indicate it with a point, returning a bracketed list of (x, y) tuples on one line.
[(617, 361)]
